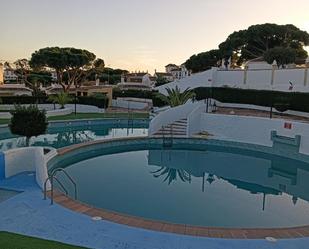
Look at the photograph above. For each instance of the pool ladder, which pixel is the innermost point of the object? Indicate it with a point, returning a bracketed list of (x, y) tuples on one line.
[(52, 178)]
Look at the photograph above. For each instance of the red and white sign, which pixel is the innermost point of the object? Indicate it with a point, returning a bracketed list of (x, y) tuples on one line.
[(287, 125)]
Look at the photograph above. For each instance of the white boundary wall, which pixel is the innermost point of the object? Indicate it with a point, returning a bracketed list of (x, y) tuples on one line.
[(52, 113), (266, 79), (122, 103), (253, 130)]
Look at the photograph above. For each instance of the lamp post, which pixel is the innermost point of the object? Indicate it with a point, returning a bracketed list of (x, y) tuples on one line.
[(75, 99)]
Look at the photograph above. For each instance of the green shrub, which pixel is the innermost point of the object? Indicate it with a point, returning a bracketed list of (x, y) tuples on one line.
[(28, 121), (94, 100)]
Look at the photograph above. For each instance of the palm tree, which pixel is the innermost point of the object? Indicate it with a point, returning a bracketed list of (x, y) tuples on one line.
[(176, 97), (171, 174), (61, 98)]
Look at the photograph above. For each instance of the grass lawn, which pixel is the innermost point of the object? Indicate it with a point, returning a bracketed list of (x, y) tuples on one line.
[(16, 241), (72, 116)]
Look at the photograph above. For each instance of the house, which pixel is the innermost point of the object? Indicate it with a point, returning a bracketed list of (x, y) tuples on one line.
[(258, 64), (15, 90), (167, 76), (140, 80), (178, 72), (9, 75), (86, 89)]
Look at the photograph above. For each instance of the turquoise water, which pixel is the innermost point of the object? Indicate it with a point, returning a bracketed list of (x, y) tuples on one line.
[(210, 186), (64, 134)]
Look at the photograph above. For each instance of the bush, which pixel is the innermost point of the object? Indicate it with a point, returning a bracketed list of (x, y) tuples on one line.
[(292, 100), (28, 121), (98, 101)]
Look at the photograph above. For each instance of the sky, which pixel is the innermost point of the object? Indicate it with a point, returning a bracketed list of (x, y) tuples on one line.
[(136, 34)]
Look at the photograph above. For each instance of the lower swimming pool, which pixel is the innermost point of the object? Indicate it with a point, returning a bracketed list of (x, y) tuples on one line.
[(62, 134), (196, 184)]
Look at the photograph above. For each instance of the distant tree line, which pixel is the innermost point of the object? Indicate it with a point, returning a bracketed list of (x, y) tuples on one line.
[(72, 66)]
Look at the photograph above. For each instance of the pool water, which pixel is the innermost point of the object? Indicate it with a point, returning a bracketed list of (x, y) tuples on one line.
[(67, 134), (213, 187)]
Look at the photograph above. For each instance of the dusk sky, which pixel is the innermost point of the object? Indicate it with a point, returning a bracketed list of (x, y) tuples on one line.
[(136, 34)]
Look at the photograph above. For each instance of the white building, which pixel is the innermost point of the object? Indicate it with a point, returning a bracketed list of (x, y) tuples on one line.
[(178, 72), (9, 75), (140, 80), (167, 76)]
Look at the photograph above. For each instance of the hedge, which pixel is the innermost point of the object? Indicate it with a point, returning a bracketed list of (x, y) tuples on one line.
[(94, 101), (85, 100), (296, 101)]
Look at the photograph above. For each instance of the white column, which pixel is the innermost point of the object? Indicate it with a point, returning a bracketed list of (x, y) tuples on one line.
[(306, 72), (245, 74), (274, 67)]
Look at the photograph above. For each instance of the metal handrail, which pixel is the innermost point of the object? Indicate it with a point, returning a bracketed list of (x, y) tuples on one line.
[(55, 171), (53, 177)]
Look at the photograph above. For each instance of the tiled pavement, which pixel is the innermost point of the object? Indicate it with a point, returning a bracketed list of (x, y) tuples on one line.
[(27, 213)]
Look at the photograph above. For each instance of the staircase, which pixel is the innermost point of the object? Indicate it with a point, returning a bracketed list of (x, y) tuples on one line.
[(175, 129)]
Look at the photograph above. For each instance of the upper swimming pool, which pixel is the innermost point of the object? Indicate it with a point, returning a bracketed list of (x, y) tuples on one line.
[(194, 183), (62, 134)]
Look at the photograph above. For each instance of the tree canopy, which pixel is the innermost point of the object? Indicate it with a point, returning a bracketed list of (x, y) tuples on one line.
[(72, 65), (28, 121), (281, 55), (203, 61), (255, 41), (252, 43)]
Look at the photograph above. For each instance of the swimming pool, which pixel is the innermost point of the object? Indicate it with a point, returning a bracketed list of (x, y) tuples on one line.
[(196, 183), (62, 134)]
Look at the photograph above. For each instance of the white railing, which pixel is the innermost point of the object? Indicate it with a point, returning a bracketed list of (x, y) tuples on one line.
[(171, 115)]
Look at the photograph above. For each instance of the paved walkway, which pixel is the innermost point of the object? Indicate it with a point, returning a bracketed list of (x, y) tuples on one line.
[(258, 113), (27, 213)]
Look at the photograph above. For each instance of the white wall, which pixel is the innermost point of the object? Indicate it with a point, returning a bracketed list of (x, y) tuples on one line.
[(129, 104), (256, 79), (254, 130), (29, 159), (229, 78), (202, 79), (259, 79), (52, 113), (171, 115), (51, 107)]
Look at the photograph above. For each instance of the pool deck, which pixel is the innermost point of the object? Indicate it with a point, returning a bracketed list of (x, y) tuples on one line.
[(211, 232), (27, 213)]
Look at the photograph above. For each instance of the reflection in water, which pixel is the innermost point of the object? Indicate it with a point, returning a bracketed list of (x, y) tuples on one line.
[(175, 163), (59, 137), (171, 174), (217, 187)]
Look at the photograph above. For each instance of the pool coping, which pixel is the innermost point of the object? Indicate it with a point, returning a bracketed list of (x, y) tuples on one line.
[(183, 229)]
